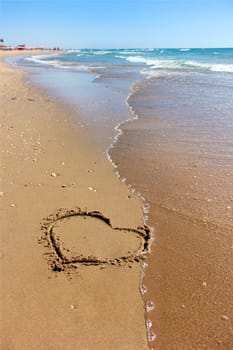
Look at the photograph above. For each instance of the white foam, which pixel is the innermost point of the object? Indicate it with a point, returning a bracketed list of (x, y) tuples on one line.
[(122, 57), (143, 289), (74, 51), (140, 59), (176, 64), (149, 324), (130, 52), (146, 208), (155, 63), (150, 306), (158, 72), (222, 68), (185, 49), (61, 65), (151, 336), (42, 60), (101, 52), (144, 265), (215, 67)]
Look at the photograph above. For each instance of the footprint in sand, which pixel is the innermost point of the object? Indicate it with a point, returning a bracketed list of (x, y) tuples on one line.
[(88, 238)]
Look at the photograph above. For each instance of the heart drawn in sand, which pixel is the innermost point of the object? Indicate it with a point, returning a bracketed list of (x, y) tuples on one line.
[(88, 238)]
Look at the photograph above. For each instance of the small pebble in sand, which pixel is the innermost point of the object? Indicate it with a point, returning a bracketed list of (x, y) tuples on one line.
[(90, 171), (53, 174), (12, 205), (225, 317), (63, 186), (72, 307), (63, 163), (1, 194), (183, 306), (204, 284), (34, 160), (91, 189)]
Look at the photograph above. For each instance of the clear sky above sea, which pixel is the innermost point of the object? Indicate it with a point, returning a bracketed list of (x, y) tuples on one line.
[(117, 23)]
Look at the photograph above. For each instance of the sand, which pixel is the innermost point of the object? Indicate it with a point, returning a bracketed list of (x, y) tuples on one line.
[(65, 282)]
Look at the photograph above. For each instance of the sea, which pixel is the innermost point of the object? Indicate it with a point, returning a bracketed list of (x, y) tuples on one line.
[(164, 119)]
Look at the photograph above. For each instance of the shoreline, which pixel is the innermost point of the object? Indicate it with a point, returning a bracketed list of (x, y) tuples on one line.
[(189, 273), (41, 140)]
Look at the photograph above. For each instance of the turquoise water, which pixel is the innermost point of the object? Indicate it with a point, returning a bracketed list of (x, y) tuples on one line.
[(149, 60)]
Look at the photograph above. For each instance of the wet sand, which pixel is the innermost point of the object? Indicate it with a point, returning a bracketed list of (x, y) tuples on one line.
[(59, 195), (189, 190)]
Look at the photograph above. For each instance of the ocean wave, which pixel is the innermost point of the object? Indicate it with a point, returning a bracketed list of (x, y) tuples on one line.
[(222, 68), (122, 57), (155, 63), (185, 49), (140, 59), (42, 59), (130, 52), (215, 67), (39, 59), (89, 52), (73, 51), (179, 64), (101, 52)]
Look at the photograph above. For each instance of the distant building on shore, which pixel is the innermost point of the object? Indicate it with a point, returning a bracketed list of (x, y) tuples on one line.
[(21, 47)]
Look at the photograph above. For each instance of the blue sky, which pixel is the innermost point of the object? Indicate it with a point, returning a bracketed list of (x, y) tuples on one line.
[(117, 23)]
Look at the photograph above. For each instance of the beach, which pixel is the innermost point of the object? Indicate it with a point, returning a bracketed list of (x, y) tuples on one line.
[(64, 285), (117, 193)]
